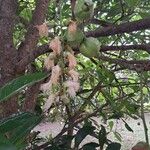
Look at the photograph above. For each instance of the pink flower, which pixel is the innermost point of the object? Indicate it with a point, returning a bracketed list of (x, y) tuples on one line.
[(74, 75), (49, 102), (72, 27), (65, 99), (71, 92), (43, 29), (72, 87), (46, 87), (49, 61), (56, 72), (55, 45), (72, 60)]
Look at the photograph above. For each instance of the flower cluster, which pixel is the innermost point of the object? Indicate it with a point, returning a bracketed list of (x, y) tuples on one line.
[(43, 29), (55, 45), (72, 28), (64, 80)]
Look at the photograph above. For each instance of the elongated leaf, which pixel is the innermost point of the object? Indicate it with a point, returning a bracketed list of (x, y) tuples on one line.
[(19, 126), (102, 137), (128, 127), (132, 3), (118, 136), (114, 146), (20, 133), (64, 140), (111, 124), (14, 122), (5, 144), (90, 146), (19, 83), (87, 129)]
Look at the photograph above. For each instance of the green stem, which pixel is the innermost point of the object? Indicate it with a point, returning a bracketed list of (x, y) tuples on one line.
[(142, 110)]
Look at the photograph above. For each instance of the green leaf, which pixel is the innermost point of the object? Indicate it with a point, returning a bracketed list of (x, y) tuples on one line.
[(128, 127), (26, 13), (19, 83), (5, 144), (19, 126), (90, 146), (132, 2), (20, 133), (63, 141), (114, 146), (14, 122), (111, 124), (118, 136), (102, 137), (116, 115), (87, 129)]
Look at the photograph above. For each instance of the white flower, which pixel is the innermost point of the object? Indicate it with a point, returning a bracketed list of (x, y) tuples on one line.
[(49, 102), (43, 29), (74, 75), (55, 45), (72, 60), (72, 87), (49, 61), (56, 72)]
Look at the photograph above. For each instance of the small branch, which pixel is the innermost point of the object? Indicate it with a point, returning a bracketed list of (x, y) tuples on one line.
[(64, 130), (100, 22), (136, 65), (72, 8), (30, 57), (70, 122), (142, 110), (128, 27), (145, 47)]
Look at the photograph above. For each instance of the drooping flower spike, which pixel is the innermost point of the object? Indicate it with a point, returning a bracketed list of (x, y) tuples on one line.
[(43, 29), (55, 45)]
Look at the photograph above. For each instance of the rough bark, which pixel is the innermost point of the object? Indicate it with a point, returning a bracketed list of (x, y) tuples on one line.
[(8, 53), (122, 28), (29, 45), (31, 94)]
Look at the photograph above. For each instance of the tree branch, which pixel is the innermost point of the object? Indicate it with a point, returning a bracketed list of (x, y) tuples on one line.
[(31, 56), (75, 123), (72, 8), (128, 27), (32, 35), (45, 49), (100, 22), (136, 65), (145, 47)]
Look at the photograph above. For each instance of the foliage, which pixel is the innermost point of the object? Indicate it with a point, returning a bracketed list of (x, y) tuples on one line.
[(15, 129), (18, 84), (113, 71)]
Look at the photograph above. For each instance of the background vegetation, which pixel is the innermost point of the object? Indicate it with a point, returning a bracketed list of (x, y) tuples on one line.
[(113, 85)]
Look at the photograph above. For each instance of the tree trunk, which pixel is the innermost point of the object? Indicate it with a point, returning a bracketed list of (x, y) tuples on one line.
[(8, 53)]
